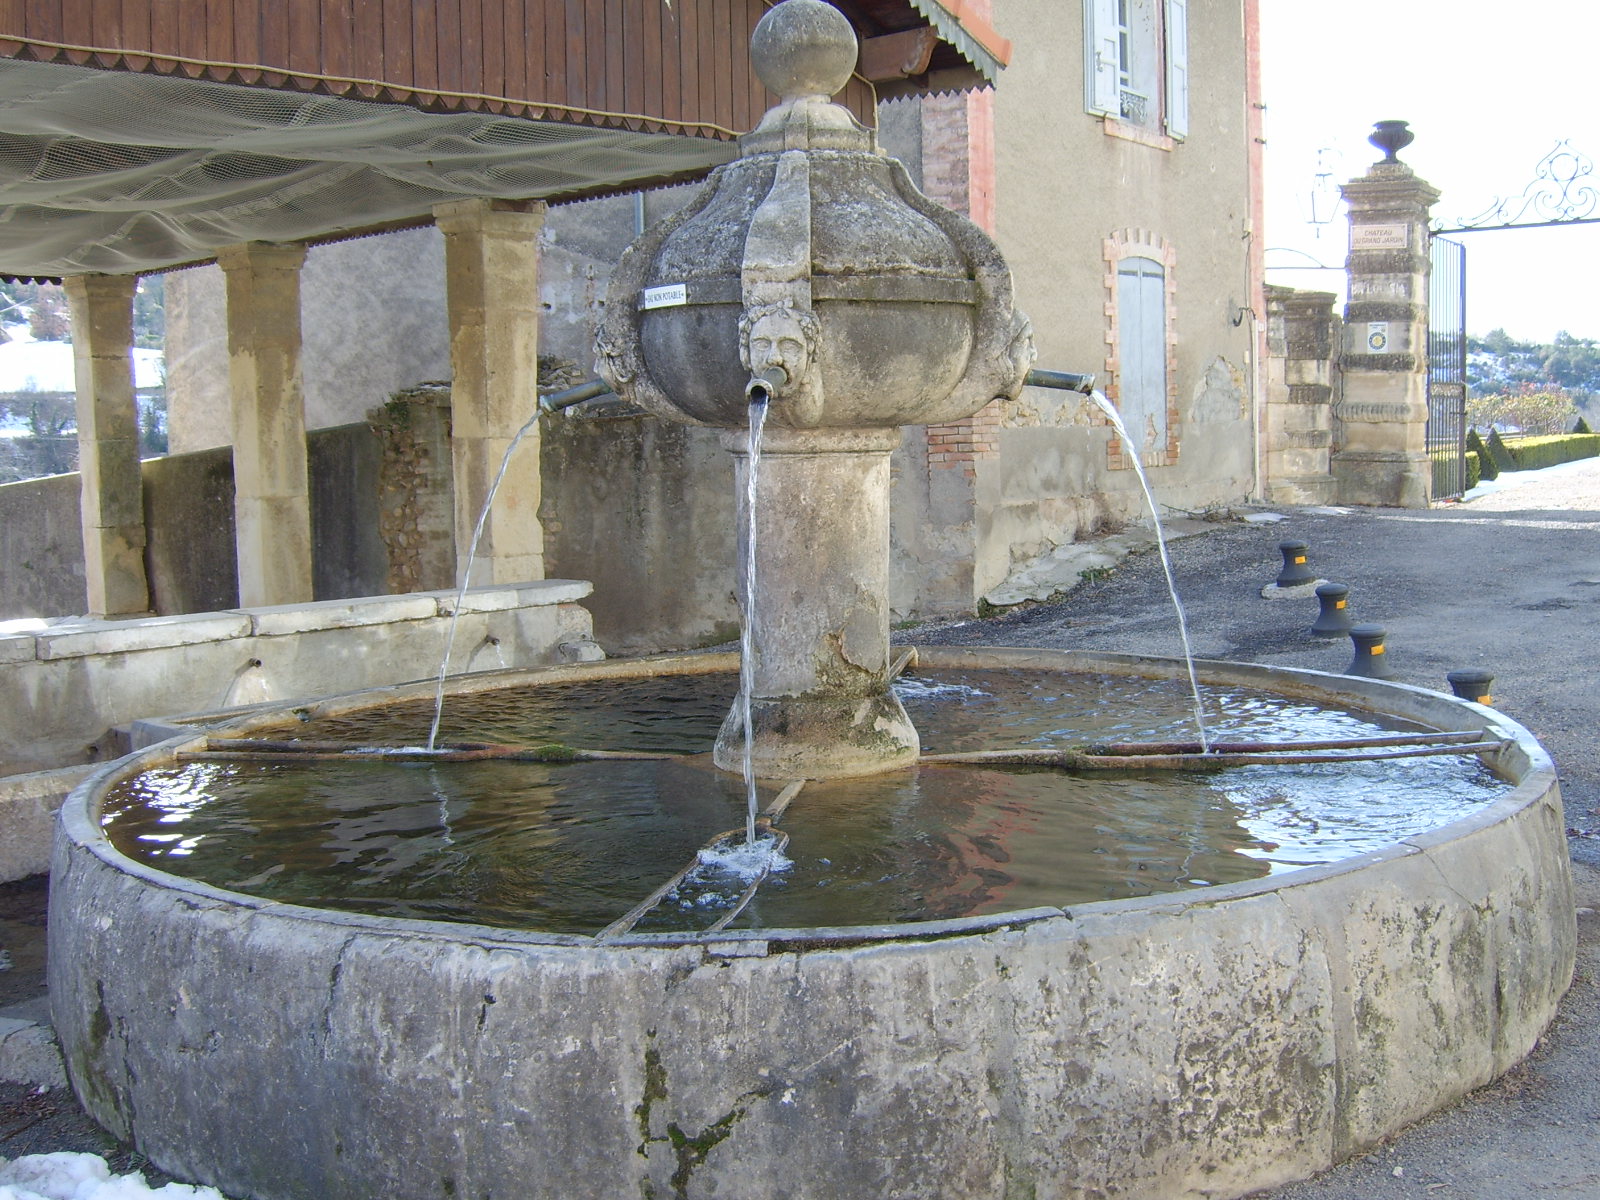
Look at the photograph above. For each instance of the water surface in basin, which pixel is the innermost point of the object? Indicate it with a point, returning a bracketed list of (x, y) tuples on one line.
[(568, 848)]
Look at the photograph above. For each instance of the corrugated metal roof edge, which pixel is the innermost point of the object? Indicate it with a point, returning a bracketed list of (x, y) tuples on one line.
[(959, 24), (146, 62)]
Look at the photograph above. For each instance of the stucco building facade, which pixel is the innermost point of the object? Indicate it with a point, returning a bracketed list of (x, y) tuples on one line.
[(1113, 162)]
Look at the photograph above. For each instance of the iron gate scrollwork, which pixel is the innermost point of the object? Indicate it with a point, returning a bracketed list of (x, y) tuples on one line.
[(1447, 366)]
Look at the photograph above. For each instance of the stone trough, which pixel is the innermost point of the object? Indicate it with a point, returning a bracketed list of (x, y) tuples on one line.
[(1199, 1044)]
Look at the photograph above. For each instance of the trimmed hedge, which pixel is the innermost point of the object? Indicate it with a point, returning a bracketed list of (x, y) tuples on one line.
[(1478, 453), (1474, 471), (1497, 451), (1531, 453)]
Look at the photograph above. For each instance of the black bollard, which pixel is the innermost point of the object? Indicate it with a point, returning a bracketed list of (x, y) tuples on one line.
[(1295, 572), (1371, 660), (1472, 683), (1333, 620)]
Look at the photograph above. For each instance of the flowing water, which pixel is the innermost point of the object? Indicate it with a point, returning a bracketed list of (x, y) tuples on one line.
[(466, 574), (570, 847), (747, 634), (1132, 453)]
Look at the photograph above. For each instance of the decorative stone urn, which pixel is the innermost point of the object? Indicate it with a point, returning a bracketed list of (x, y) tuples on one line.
[(810, 274)]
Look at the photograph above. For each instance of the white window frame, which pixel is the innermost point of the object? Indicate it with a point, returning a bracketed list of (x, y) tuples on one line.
[(1158, 31)]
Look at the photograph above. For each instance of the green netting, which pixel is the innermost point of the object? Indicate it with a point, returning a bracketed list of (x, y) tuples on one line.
[(116, 172)]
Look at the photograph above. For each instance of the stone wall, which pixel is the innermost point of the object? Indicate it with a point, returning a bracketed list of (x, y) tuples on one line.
[(373, 322), (1060, 198), (415, 513), (1302, 378), (41, 548), (189, 554), (644, 509)]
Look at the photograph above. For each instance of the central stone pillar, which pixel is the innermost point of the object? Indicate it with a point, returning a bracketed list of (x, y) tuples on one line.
[(112, 506), (272, 499), (821, 702), (813, 273)]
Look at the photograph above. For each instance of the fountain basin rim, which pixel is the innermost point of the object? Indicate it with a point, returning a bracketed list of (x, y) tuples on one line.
[(1525, 763)]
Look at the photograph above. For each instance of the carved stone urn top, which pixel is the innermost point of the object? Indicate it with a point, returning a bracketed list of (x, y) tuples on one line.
[(812, 272)]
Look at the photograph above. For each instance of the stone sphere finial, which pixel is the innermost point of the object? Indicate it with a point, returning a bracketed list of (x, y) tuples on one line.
[(803, 48)]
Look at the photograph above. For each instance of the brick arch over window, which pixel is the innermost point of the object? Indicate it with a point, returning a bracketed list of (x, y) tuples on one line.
[(1141, 366)]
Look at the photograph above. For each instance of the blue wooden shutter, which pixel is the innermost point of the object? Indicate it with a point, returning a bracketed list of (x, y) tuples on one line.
[(1177, 27), (1142, 351), (1102, 61)]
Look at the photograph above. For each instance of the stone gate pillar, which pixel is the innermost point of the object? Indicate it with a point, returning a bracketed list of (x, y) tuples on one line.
[(271, 494), (112, 506), (1297, 429), (1383, 416), (492, 293)]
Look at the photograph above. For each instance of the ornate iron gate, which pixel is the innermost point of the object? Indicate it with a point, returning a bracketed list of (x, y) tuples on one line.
[(1447, 366), (1559, 194)]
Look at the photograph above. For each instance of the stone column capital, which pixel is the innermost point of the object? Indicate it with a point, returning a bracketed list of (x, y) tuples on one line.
[(490, 218), (1386, 186), (1297, 303), (776, 439), (99, 288), (262, 256)]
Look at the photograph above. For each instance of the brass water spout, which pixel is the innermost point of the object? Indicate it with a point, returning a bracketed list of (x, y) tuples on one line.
[(767, 385)]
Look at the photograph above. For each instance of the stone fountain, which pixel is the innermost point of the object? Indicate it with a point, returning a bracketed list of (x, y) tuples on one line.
[(1197, 1044), (812, 275)]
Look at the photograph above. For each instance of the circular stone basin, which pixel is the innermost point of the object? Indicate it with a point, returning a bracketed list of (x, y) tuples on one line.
[(1196, 1043)]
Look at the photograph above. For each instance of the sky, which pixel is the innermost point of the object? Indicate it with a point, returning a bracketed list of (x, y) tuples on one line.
[(1487, 99)]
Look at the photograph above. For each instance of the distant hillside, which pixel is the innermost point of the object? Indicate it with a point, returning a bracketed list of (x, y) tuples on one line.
[(1500, 363)]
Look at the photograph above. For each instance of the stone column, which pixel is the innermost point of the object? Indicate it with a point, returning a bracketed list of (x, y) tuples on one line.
[(822, 705), (112, 509), (492, 290), (1382, 458), (271, 506), (1298, 423)]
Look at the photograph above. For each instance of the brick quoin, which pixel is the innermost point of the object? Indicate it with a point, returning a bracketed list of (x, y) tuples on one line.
[(958, 170)]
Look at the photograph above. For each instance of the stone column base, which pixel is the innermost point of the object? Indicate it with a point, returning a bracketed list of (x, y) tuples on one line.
[(1388, 479), (1316, 489), (820, 737)]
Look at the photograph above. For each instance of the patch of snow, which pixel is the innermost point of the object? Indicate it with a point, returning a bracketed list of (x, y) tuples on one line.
[(85, 1177), (1063, 568), (1264, 518), (50, 367), (1511, 478), (1298, 591)]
